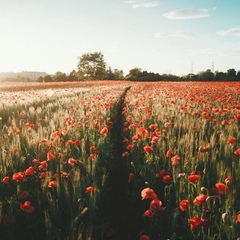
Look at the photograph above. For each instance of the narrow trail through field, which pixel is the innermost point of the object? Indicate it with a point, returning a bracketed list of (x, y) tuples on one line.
[(115, 203)]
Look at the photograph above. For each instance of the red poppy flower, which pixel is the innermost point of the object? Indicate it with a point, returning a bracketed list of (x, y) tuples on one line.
[(131, 176), (164, 131), (78, 142), (232, 140), (135, 137), (203, 149), (155, 139), (153, 126), (164, 175), (168, 124), (55, 176), (23, 195), (228, 179), (238, 218), (70, 142), (36, 161), (195, 114), (125, 140), (224, 122), (156, 205), (92, 156), (55, 134), (166, 178), (148, 213), (92, 148), (43, 165), (15, 150), (184, 204), (26, 207), (64, 174), (29, 171), (194, 128), (200, 200), (5, 180), (193, 178), (125, 154), (175, 159), (52, 184), (72, 161), (43, 140), (50, 155), (18, 177), (42, 175), (130, 147), (144, 237), (169, 153), (148, 193), (222, 188), (104, 131), (89, 189), (148, 149), (30, 125), (142, 130), (237, 152), (96, 152), (196, 222)]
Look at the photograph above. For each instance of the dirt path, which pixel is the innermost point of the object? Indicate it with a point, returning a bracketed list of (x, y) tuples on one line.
[(115, 202)]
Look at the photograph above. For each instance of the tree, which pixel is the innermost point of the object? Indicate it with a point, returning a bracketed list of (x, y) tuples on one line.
[(60, 77), (47, 78), (220, 76), (134, 74), (109, 74), (72, 76), (231, 74), (238, 75), (208, 75), (115, 74), (40, 79), (118, 74), (92, 66)]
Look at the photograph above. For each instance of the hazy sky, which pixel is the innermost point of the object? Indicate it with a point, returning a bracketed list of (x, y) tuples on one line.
[(165, 36)]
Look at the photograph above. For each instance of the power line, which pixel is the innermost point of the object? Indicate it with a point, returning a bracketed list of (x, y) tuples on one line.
[(213, 66)]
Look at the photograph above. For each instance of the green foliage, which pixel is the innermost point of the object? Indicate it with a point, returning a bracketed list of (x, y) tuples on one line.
[(136, 74), (114, 75), (92, 66), (208, 75)]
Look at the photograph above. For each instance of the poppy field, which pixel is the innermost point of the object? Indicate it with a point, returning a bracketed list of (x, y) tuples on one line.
[(120, 160)]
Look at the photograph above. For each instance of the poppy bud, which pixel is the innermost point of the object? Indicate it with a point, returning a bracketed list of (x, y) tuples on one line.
[(225, 217)]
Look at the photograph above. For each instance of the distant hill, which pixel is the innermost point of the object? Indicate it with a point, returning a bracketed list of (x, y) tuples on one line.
[(24, 75)]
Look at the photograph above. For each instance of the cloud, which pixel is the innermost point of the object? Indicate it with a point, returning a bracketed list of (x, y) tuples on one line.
[(178, 34), (230, 32), (187, 14), (232, 53), (131, 2), (139, 4), (216, 52)]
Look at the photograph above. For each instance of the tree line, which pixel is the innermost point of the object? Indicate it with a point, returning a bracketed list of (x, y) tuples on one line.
[(92, 66)]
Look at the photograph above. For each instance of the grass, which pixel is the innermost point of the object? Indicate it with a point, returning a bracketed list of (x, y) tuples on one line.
[(77, 162)]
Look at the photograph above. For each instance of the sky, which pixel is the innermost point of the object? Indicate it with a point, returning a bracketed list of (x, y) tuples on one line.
[(166, 36)]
